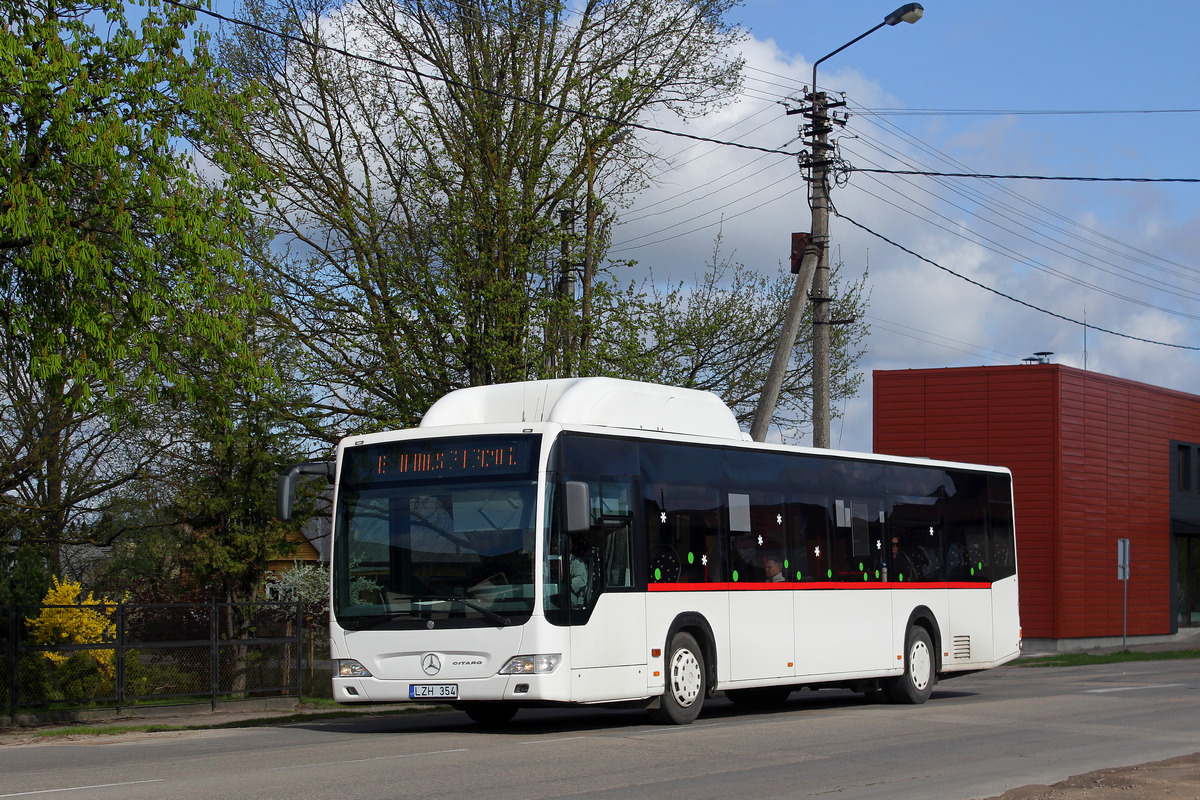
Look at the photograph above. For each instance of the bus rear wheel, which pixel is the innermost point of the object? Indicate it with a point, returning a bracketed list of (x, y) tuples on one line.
[(680, 704), (920, 673)]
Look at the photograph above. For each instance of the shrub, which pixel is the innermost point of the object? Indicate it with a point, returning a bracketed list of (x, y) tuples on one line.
[(70, 616)]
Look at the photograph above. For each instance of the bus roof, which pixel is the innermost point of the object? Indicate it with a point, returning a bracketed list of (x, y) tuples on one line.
[(607, 402)]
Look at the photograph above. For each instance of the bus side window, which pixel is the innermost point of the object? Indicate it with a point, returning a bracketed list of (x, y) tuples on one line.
[(966, 526), (757, 533), (684, 530), (808, 540), (858, 541)]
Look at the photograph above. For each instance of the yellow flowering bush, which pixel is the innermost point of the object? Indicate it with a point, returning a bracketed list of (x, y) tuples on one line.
[(71, 616)]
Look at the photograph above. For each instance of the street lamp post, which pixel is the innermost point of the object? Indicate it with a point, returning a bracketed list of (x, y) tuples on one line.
[(814, 267)]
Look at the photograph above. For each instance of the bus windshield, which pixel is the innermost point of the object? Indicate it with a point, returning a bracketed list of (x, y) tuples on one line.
[(420, 550)]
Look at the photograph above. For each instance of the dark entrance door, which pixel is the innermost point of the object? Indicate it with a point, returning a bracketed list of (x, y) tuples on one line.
[(1187, 564)]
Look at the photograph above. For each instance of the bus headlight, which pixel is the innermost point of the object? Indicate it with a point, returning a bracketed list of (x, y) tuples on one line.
[(532, 665), (349, 668)]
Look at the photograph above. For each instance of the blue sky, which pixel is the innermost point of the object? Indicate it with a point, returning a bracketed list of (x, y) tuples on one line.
[(1126, 255)]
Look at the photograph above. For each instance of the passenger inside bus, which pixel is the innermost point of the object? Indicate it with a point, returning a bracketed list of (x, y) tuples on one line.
[(774, 569), (900, 566)]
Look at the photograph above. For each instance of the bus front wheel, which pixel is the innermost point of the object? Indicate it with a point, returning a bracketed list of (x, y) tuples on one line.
[(916, 684), (684, 696)]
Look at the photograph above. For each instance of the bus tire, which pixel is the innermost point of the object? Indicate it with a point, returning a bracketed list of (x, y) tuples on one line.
[(683, 697), (490, 715), (920, 671)]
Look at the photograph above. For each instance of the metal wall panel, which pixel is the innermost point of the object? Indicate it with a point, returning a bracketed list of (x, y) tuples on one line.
[(1090, 456)]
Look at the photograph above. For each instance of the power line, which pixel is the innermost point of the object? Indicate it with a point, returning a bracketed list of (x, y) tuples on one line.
[(628, 245), (1008, 297), (1007, 252), (464, 85), (654, 129), (917, 334), (1026, 232), (931, 174), (988, 112), (613, 121), (1033, 224), (1128, 251)]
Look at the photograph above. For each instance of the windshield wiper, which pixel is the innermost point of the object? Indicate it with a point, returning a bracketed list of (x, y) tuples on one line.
[(499, 619)]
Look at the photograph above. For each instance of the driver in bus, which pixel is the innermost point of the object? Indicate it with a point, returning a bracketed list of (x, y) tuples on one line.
[(580, 572)]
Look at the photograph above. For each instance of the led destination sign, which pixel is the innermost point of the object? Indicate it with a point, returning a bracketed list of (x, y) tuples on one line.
[(438, 458)]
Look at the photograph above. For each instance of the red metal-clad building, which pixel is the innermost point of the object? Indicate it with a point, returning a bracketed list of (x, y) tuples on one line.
[(1094, 459)]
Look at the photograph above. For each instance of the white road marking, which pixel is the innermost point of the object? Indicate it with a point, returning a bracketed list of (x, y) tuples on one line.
[(1134, 688), (376, 758), (81, 788)]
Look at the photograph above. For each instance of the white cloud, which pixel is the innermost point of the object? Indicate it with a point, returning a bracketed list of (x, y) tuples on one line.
[(1008, 235)]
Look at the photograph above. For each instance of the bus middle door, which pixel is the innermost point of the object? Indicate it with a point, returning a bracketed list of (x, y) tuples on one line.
[(607, 615)]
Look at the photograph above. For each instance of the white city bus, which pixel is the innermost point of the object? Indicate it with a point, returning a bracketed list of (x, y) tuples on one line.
[(599, 541)]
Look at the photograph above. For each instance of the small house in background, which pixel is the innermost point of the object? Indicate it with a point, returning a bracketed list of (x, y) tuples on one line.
[(1095, 459), (311, 546)]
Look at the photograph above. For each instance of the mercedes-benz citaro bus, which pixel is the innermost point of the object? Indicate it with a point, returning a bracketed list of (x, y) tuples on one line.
[(605, 542)]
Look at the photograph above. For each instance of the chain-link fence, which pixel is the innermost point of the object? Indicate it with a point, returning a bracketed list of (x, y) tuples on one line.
[(118, 655)]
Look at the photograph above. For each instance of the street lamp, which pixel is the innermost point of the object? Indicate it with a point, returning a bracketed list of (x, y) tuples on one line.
[(814, 268)]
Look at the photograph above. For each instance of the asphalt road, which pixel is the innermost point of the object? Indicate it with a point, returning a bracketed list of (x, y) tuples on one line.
[(978, 736)]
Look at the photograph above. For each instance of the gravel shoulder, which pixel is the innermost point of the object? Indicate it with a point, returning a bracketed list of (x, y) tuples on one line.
[(1173, 779)]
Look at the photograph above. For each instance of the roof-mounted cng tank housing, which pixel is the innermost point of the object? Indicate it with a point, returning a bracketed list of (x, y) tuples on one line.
[(609, 402)]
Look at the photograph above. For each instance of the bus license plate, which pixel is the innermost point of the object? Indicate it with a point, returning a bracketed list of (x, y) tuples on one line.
[(433, 691)]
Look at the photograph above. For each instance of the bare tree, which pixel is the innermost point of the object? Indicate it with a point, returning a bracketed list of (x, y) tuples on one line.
[(421, 190), (719, 334)]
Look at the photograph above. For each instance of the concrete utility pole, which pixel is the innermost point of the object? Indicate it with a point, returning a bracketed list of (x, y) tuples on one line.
[(814, 267), (821, 155)]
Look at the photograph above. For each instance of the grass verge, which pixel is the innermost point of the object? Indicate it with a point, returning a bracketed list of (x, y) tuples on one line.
[(1085, 659), (315, 709)]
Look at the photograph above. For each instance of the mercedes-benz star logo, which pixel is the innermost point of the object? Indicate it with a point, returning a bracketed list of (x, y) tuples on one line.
[(431, 664)]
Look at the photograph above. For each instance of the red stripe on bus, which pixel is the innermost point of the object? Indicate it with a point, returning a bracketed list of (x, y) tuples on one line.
[(792, 586)]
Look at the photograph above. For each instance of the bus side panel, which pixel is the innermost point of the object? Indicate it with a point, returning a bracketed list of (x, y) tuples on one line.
[(661, 610), (609, 652), (761, 645), (969, 644), (1006, 621), (843, 632)]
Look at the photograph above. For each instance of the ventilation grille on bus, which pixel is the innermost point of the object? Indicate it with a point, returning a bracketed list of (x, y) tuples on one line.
[(962, 647)]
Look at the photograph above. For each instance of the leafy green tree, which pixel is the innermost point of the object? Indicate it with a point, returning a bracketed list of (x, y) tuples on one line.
[(146, 561), (26, 575), (117, 259), (219, 479)]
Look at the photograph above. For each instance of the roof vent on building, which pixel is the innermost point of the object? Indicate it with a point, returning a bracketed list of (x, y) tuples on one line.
[(1038, 358)]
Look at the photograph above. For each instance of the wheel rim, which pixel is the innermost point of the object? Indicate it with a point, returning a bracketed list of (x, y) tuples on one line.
[(686, 677), (919, 665)]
